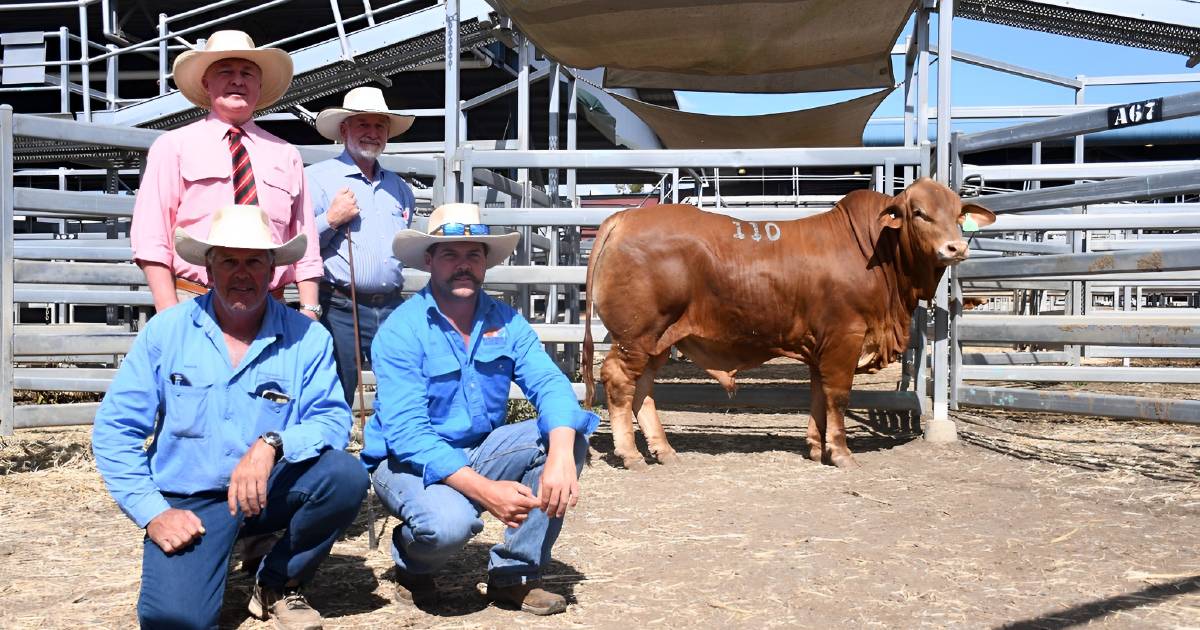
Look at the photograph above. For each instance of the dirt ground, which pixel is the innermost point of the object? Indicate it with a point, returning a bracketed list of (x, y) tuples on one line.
[(1030, 521)]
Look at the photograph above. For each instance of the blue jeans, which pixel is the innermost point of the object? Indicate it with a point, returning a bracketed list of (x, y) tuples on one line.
[(314, 500), (338, 317), (437, 521)]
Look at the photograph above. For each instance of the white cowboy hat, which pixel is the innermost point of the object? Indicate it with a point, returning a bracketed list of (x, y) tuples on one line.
[(275, 63), (409, 245), (242, 227), (360, 100)]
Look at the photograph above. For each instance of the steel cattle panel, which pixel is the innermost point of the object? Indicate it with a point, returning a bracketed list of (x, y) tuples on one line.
[(77, 273), (1082, 403), (95, 343), (31, 250), (1132, 221), (66, 415), (1125, 261), (1013, 358), (59, 296), (89, 134), (1075, 373), (1175, 106), (1124, 189), (69, 203), (700, 158), (1080, 329)]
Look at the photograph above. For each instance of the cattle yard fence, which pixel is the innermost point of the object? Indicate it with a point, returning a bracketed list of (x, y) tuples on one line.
[(1108, 235), (84, 357)]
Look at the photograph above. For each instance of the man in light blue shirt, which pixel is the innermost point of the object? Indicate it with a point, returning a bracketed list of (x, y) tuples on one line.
[(240, 396), (438, 446), (353, 193)]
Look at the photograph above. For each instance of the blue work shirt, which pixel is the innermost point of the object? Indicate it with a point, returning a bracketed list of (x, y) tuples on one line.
[(178, 385), (437, 398), (385, 207)]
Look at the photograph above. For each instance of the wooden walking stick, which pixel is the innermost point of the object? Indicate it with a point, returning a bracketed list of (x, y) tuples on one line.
[(372, 539)]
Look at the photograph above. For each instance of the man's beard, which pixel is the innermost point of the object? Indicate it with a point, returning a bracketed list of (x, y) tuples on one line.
[(364, 152)]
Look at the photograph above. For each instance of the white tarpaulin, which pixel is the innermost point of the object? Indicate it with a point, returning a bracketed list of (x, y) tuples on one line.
[(754, 46), (836, 125)]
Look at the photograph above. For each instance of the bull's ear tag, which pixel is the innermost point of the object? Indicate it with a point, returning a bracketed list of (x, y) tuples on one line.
[(969, 224)]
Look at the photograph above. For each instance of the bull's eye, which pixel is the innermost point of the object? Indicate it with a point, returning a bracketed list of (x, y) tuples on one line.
[(920, 214)]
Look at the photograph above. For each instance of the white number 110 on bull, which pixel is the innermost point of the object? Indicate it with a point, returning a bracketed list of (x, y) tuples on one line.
[(771, 229)]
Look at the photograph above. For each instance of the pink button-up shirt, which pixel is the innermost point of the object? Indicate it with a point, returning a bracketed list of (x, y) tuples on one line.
[(189, 175)]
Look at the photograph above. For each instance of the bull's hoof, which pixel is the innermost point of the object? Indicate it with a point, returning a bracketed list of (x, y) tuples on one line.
[(637, 464), (815, 454), (844, 461), (631, 462), (668, 458)]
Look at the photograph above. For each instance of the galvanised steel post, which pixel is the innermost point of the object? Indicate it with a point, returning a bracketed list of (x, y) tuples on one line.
[(450, 177), (940, 428), (7, 308)]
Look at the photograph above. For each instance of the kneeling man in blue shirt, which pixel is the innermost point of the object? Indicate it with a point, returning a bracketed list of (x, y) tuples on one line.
[(438, 448), (249, 426)]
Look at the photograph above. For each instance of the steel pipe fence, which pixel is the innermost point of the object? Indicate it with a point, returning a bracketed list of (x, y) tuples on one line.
[(1083, 265), (100, 272)]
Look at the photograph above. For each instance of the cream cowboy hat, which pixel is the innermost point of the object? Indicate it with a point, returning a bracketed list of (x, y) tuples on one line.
[(275, 63), (243, 227), (409, 245), (360, 100)]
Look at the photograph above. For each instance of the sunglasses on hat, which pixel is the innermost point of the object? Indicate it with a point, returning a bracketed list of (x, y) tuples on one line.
[(461, 229)]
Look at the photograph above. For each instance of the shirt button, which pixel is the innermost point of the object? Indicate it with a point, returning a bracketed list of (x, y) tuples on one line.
[(228, 453)]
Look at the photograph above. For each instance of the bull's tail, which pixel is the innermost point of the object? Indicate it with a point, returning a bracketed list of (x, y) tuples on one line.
[(602, 235)]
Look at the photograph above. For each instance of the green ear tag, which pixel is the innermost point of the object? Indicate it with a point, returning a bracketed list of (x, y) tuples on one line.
[(969, 224)]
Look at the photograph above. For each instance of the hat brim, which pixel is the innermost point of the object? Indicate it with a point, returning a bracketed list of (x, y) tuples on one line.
[(275, 64), (409, 246), (330, 120), (193, 249)]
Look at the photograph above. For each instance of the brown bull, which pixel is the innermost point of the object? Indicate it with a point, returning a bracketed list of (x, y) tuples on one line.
[(836, 291)]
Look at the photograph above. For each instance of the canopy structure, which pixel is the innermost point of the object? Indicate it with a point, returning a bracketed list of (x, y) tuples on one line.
[(769, 46), (837, 125)]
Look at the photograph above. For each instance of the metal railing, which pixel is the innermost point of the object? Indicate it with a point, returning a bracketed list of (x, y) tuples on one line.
[(1074, 270)]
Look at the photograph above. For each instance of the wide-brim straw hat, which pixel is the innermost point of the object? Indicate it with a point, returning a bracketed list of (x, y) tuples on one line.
[(275, 63), (409, 245), (241, 227), (360, 100)]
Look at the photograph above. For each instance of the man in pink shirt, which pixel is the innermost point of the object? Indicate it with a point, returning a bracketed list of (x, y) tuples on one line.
[(191, 171)]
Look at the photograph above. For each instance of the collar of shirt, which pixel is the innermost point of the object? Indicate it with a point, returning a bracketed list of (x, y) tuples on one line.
[(271, 329), (216, 129), (483, 308), (348, 168)]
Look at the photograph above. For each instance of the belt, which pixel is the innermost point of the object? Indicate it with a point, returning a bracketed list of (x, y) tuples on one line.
[(195, 288), (183, 284), (370, 299)]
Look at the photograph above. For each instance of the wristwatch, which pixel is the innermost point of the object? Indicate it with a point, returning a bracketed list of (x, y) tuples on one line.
[(275, 441), (314, 308)]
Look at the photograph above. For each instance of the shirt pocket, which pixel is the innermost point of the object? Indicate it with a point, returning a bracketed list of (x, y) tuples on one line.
[(269, 415), (494, 363), (443, 375), (186, 411), (276, 193), (202, 179)]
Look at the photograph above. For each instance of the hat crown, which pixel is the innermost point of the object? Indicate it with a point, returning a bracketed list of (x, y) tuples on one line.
[(244, 227), (465, 213), (229, 40), (369, 99)]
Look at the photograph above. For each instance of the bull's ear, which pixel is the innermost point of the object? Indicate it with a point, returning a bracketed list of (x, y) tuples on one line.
[(978, 215), (891, 217)]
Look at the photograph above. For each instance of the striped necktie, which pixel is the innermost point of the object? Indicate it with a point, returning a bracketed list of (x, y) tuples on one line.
[(244, 191)]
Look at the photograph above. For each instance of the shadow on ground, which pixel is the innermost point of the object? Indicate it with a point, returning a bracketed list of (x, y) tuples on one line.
[(1095, 609)]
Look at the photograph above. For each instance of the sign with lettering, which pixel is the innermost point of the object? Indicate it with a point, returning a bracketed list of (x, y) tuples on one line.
[(1138, 113)]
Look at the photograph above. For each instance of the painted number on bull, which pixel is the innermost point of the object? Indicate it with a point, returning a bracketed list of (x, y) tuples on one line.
[(1138, 113), (770, 229)]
